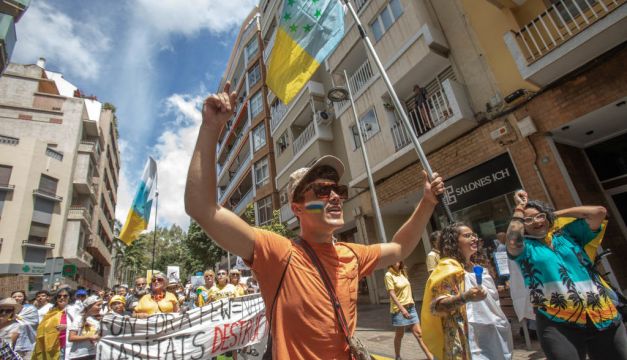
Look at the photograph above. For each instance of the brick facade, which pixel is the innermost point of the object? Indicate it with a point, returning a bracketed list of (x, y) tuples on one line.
[(600, 83), (8, 284)]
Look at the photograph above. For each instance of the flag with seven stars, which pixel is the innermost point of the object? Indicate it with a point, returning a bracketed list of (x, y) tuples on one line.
[(309, 30)]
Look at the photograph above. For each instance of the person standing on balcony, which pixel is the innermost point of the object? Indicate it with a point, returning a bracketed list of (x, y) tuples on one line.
[(303, 322), (422, 107)]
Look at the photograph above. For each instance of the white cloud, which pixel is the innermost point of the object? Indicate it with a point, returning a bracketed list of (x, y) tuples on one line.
[(172, 153), (191, 16), (72, 45)]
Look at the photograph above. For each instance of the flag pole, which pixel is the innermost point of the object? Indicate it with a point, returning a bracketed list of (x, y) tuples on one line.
[(396, 101), (154, 233)]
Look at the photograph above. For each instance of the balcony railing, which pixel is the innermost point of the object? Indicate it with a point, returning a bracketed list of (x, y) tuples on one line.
[(233, 180), (277, 112), (47, 195), (268, 49), (236, 144), (559, 22), (357, 81), (423, 118), (308, 133), (79, 213), (241, 205), (286, 213), (8, 140), (41, 245), (6, 187)]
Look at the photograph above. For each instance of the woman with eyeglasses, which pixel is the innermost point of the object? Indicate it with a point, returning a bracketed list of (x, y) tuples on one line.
[(10, 328), (28, 317), (158, 301), (402, 307), (51, 333), (555, 250), (461, 313), (222, 288)]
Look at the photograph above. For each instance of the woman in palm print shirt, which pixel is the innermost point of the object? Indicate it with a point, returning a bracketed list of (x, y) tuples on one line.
[(574, 313)]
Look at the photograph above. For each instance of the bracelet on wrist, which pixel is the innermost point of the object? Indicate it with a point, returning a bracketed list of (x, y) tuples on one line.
[(517, 218), (461, 297)]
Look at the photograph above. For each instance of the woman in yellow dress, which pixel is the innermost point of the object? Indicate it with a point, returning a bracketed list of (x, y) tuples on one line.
[(159, 301), (51, 334)]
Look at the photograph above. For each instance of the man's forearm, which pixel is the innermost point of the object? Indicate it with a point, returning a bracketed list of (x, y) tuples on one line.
[(515, 232), (200, 190), (449, 303)]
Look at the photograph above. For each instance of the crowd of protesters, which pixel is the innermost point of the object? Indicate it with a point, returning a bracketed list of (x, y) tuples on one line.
[(65, 324)]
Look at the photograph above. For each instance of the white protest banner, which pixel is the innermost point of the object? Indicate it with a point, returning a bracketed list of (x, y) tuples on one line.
[(173, 274), (200, 333)]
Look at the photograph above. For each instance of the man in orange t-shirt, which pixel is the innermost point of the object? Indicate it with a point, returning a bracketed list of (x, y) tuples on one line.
[(304, 325)]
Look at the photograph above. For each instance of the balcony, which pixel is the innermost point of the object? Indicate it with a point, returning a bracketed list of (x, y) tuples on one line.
[(241, 205), (268, 49), (79, 213), (446, 113), (36, 244), (98, 249), (286, 214), (303, 139), (7, 39), (241, 168), (14, 8), (90, 127), (240, 143), (358, 81), (231, 127), (82, 259), (90, 148), (48, 195), (565, 36), (307, 97), (6, 187)]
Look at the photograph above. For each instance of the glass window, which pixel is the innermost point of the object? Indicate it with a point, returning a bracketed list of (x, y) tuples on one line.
[(369, 124), (262, 176), (256, 105), (397, 8), (264, 211), (386, 17), (259, 137), (252, 48), (254, 75), (376, 29)]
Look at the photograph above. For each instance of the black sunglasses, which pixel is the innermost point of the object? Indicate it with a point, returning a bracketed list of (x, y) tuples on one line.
[(6, 311), (322, 190)]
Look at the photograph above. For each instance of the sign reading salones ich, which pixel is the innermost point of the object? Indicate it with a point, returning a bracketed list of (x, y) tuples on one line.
[(481, 183)]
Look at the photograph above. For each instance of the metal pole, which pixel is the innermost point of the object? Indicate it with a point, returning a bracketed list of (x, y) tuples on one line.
[(373, 191), (154, 233), (396, 101)]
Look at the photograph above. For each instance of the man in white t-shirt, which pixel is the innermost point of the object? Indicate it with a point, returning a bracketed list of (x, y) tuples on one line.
[(42, 302)]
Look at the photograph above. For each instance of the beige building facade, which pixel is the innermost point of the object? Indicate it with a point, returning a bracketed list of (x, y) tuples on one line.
[(59, 168), (528, 93)]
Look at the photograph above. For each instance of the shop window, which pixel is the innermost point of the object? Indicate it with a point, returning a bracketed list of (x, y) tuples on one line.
[(259, 137), (264, 211)]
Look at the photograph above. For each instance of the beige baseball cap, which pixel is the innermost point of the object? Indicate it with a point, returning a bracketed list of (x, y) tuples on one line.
[(297, 176)]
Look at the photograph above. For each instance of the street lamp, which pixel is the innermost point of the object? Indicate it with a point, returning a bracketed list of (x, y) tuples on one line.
[(339, 94)]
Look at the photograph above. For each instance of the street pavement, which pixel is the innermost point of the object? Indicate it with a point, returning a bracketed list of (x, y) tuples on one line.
[(374, 329)]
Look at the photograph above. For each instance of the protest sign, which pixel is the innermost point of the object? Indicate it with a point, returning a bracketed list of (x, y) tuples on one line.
[(174, 274), (200, 333), (500, 258)]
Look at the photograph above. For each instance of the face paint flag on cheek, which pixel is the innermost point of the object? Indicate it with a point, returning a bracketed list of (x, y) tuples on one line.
[(314, 207)]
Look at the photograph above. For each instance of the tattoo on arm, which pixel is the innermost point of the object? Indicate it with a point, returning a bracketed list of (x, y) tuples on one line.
[(448, 304)]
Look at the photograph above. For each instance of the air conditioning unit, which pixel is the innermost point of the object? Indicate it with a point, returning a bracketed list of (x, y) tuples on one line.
[(283, 198), (324, 117)]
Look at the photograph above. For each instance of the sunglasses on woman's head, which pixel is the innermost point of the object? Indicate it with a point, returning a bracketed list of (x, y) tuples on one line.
[(322, 190)]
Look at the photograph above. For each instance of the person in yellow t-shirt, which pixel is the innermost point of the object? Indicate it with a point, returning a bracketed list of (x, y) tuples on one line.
[(222, 288), (402, 307), (234, 278), (158, 301)]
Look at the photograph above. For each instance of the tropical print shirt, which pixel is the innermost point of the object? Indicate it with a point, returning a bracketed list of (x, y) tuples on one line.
[(562, 285)]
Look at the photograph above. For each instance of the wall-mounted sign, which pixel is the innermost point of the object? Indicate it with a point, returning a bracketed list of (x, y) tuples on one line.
[(483, 182)]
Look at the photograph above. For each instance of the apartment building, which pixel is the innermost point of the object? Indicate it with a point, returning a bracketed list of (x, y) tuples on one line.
[(502, 95), (59, 168), (10, 13), (244, 156)]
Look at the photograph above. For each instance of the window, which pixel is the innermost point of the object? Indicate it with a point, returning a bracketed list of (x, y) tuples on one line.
[(572, 8), (251, 48), (5, 174), (264, 211), (283, 142), (254, 75), (262, 176), (48, 184), (256, 105), (369, 127), (384, 20), (259, 137)]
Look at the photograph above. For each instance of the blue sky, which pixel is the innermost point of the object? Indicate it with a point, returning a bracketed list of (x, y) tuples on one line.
[(154, 60)]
